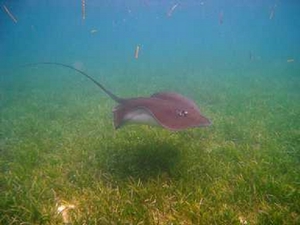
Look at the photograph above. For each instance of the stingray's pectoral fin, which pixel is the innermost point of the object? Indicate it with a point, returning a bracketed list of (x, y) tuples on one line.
[(125, 115)]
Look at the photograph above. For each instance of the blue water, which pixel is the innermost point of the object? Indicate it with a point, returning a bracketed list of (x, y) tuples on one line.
[(192, 35)]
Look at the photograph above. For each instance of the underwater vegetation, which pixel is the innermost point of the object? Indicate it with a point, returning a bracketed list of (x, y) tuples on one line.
[(62, 161)]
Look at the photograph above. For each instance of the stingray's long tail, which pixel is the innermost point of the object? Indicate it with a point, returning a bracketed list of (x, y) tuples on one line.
[(109, 93)]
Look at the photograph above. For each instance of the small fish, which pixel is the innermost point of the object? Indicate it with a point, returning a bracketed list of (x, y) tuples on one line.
[(10, 14), (168, 110), (290, 60)]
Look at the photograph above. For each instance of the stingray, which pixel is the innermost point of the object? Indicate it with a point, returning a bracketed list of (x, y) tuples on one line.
[(169, 110)]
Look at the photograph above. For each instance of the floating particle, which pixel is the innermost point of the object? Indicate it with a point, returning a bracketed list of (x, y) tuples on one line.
[(272, 12), (83, 9), (221, 17), (10, 14), (93, 31), (170, 12), (137, 51)]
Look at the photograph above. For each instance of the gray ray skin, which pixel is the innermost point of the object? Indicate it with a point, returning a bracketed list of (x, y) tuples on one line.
[(169, 110)]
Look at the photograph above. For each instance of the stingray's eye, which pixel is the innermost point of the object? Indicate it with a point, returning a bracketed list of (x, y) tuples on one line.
[(182, 113)]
